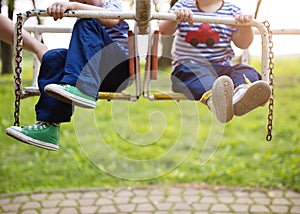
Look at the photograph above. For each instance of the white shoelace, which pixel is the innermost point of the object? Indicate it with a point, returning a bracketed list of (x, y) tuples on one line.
[(239, 92), (40, 125)]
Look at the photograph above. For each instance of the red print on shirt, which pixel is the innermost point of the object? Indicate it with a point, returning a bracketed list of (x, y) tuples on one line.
[(204, 34)]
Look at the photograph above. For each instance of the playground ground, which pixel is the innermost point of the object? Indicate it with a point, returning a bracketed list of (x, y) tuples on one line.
[(180, 199)]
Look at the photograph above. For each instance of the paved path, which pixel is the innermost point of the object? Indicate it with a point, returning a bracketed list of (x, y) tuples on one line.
[(178, 199)]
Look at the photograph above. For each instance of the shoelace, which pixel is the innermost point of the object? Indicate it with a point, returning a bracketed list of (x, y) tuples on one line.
[(241, 88), (66, 86), (238, 92), (247, 80), (40, 125)]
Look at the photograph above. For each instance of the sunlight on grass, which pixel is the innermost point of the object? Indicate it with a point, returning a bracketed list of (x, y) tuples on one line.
[(243, 158)]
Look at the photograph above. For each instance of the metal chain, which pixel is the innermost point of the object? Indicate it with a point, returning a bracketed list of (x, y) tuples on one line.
[(18, 69), (271, 83)]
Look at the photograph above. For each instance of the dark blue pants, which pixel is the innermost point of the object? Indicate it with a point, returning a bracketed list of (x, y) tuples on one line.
[(93, 62), (194, 79)]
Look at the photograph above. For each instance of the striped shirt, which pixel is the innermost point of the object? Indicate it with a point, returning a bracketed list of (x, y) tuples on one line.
[(221, 51), (119, 32)]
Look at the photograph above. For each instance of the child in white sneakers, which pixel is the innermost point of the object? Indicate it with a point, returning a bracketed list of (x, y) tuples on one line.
[(202, 67)]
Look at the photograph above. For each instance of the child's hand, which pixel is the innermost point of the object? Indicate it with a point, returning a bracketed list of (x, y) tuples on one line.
[(243, 18), (57, 10), (240, 18), (184, 15), (243, 36)]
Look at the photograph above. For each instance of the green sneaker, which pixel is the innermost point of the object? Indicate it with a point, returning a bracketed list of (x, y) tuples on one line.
[(70, 94), (43, 135)]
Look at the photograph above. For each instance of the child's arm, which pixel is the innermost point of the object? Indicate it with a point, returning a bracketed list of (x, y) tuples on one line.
[(244, 35), (58, 9), (29, 42), (168, 28)]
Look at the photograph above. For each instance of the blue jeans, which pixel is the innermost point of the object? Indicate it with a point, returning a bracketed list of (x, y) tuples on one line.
[(194, 79), (93, 62)]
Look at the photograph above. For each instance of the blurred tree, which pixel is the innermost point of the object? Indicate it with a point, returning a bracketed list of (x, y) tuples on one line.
[(6, 49)]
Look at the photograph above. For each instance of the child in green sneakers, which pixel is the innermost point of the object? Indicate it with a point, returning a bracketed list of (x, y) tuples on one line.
[(202, 67), (96, 60)]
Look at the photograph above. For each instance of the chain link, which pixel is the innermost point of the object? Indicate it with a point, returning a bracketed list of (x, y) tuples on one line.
[(271, 82), (18, 69)]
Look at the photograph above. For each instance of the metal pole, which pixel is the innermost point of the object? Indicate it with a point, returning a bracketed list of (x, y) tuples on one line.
[(85, 14), (143, 15)]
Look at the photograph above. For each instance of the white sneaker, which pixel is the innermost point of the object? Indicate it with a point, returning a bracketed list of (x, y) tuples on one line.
[(221, 99), (248, 97)]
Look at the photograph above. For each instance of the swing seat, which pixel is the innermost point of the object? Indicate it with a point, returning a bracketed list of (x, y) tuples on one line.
[(114, 95), (34, 91), (169, 95), (30, 91), (142, 17)]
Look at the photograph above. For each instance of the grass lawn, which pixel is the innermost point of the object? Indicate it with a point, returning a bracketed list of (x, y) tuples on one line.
[(145, 142)]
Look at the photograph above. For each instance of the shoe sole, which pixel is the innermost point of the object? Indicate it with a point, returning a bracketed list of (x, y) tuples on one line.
[(222, 93), (31, 141), (64, 96), (256, 95)]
